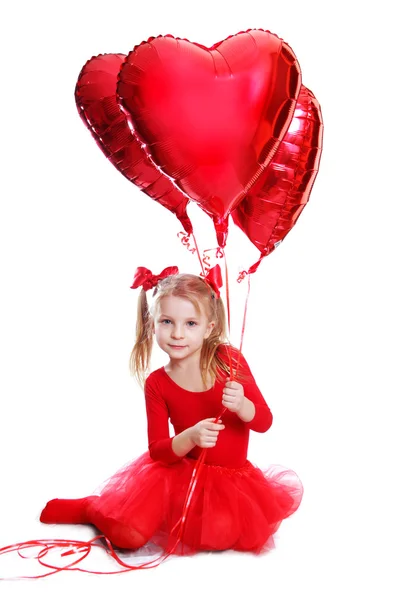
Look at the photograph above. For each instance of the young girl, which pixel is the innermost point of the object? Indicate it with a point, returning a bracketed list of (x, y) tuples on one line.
[(234, 505)]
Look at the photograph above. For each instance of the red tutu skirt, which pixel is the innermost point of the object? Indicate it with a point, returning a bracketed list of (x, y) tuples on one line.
[(231, 508)]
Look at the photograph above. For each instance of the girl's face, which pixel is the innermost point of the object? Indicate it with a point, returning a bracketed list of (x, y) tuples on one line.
[(179, 329)]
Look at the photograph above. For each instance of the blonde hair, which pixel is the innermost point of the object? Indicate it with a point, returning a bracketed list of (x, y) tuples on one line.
[(199, 293)]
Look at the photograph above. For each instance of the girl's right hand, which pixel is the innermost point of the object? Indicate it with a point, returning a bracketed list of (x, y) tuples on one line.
[(205, 433)]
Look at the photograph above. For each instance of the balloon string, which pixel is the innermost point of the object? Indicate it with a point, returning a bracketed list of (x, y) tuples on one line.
[(198, 255), (242, 275), (51, 544), (228, 310), (206, 257), (244, 319), (185, 241)]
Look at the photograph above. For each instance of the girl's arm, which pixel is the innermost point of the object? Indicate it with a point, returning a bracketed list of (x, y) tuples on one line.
[(183, 442), (248, 411), (160, 442), (254, 410), (204, 434)]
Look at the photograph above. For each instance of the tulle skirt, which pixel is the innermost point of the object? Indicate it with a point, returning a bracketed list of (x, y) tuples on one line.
[(231, 508)]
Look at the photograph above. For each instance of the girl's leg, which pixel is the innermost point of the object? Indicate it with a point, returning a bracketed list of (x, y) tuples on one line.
[(82, 511), (120, 534), (66, 511)]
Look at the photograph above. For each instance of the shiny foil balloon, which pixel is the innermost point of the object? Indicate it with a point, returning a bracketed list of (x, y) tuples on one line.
[(96, 100), (211, 118), (272, 208)]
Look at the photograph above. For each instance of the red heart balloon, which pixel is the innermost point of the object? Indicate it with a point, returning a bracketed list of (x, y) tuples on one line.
[(211, 118), (96, 100), (272, 208)]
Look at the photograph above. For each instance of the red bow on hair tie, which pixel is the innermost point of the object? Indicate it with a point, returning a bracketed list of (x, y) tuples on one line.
[(214, 279), (145, 278)]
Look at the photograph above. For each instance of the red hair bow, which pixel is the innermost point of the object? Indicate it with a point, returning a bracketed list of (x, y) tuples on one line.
[(214, 279), (145, 278)]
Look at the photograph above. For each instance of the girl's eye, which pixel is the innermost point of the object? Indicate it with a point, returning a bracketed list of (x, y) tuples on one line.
[(168, 321)]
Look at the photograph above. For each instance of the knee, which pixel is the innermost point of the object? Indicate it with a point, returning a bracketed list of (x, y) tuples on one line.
[(126, 537)]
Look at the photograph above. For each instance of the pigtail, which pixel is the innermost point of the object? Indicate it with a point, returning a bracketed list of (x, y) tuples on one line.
[(213, 360), (210, 360), (141, 353)]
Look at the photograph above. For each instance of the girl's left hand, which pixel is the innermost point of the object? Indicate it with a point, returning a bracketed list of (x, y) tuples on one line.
[(233, 396)]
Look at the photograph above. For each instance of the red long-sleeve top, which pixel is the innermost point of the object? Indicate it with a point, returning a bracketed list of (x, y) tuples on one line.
[(166, 400)]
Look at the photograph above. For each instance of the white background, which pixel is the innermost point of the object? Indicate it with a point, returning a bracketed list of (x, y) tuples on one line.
[(322, 330)]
